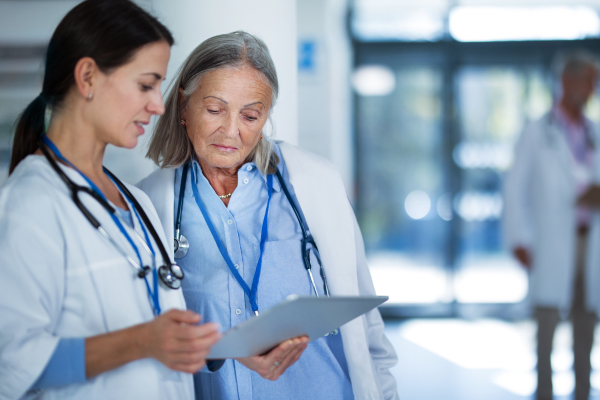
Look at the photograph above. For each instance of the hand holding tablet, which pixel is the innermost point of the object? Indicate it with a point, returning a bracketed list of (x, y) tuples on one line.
[(294, 317)]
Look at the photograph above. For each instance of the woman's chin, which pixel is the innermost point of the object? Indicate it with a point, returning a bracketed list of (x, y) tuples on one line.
[(128, 144)]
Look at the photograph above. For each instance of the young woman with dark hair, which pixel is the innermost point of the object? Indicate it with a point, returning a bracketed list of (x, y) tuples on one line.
[(90, 305)]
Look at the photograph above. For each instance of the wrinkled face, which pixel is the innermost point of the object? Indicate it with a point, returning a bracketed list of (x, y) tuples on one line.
[(578, 88), (125, 98), (226, 114)]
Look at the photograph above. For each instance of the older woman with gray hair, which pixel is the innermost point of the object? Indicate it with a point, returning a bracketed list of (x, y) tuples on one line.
[(242, 205)]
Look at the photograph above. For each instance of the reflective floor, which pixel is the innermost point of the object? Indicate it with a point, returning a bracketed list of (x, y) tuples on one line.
[(490, 359)]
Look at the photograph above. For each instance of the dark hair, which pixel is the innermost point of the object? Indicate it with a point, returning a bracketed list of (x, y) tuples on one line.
[(110, 32)]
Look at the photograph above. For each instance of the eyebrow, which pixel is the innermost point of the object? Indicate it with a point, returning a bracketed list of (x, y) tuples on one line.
[(247, 105), (157, 76), (215, 97), (252, 104)]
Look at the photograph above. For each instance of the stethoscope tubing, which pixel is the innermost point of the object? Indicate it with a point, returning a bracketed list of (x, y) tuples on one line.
[(172, 278), (306, 236)]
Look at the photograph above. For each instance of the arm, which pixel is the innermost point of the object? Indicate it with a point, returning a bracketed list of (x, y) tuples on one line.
[(31, 296), (382, 352), (517, 224)]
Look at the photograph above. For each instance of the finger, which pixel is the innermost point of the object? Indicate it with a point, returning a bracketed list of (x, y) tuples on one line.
[(196, 331), (287, 362), (194, 345), (184, 316), (292, 356), (188, 368), (279, 352)]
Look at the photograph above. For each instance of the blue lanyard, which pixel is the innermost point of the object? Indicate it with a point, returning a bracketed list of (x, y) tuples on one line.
[(153, 294), (251, 293)]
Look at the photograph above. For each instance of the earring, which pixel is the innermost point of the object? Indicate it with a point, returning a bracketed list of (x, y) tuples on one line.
[(90, 95), (183, 122)]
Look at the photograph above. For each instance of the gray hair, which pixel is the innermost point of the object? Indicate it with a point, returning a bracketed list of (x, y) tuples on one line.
[(170, 145)]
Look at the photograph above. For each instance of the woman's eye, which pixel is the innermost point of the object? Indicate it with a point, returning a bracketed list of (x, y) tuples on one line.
[(251, 118), (212, 111), (146, 88)]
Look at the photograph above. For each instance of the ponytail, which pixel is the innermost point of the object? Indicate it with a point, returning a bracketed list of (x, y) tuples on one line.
[(110, 32), (29, 131)]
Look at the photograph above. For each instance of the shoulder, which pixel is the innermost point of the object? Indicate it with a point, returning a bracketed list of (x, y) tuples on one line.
[(311, 174), (157, 182), (301, 161), (33, 187), (534, 131)]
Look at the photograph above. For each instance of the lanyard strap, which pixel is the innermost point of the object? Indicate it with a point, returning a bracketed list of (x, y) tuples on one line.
[(251, 293), (153, 294)]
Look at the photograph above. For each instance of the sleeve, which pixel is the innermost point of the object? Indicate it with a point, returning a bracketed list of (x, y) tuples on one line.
[(382, 352), (32, 266), (67, 365), (517, 224)]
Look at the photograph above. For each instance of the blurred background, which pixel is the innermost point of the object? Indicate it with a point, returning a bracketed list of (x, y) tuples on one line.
[(419, 105)]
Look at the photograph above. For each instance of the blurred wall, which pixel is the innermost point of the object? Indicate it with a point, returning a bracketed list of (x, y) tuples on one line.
[(324, 93)]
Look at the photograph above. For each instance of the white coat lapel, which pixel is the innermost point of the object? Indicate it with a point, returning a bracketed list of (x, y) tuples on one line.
[(330, 218), (159, 186), (325, 206), (565, 158)]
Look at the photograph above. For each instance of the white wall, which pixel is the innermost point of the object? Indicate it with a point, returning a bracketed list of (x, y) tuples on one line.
[(324, 94)]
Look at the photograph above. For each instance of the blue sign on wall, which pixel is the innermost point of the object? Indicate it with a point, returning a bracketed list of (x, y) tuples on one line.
[(307, 51)]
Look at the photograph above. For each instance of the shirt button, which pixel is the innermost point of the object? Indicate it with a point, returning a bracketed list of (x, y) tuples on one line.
[(236, 266), (229, 221), (249, 167), (246, 180), (238, 311)]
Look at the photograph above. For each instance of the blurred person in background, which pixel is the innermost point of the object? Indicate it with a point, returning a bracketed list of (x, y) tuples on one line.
[(546, 228)]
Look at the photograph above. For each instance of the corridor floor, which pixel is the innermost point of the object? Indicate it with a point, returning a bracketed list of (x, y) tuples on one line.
[(487, 359)]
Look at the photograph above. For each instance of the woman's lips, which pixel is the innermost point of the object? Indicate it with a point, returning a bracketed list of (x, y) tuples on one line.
[(226, 149)]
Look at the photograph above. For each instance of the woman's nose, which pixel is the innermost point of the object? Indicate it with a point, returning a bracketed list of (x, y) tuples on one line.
[(231, 126), (156, 105)]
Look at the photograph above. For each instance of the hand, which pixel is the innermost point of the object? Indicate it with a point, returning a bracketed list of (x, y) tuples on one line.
[(175, 340), (524, 257), (273, 364)]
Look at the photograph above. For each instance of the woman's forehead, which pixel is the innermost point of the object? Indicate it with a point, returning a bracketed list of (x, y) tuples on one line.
[(235, 83)]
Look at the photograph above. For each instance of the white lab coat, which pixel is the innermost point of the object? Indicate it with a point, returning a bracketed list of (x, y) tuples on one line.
[(540, 194), (61, 278), (328, 213)]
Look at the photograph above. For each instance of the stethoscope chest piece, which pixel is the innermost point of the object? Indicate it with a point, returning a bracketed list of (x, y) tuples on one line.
[(181, 246), (171, 277)]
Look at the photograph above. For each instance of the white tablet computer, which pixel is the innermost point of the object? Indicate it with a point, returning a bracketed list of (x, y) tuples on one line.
[(295, 316)]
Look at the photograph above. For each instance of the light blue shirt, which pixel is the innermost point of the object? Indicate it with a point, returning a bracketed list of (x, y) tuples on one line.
[(211, 290)]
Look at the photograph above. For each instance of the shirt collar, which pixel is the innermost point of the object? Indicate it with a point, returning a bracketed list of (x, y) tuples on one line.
[(563, 120), (244, 170)]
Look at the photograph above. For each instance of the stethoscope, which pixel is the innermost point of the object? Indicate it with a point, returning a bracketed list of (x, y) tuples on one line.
[(170, 274), (182, 245)]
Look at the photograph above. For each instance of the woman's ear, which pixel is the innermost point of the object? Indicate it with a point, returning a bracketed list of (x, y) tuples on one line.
[(86, 77), (182, 102)]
